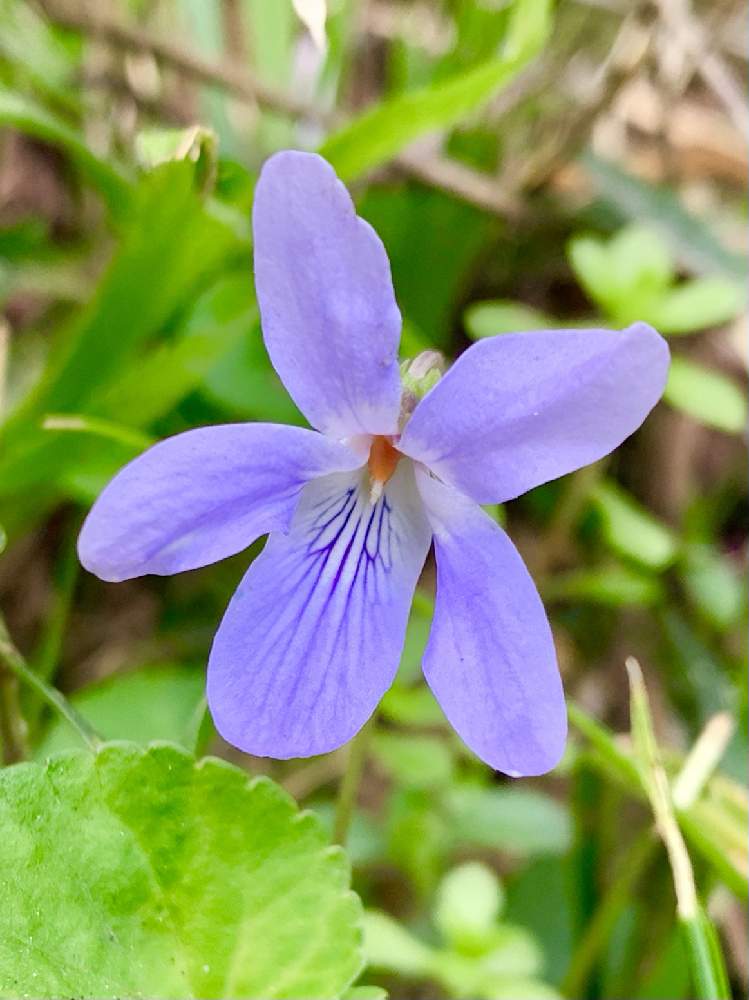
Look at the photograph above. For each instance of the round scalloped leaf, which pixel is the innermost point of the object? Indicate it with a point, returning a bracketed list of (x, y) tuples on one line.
[(143, 873)]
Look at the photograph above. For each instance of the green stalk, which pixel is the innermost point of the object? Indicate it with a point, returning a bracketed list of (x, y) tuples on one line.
[(703, 948), (13, 730), (598, 930), (349, 787), (15, 663), (705, 957)]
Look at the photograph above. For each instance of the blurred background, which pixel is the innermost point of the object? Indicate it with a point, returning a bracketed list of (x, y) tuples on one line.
[(526, 166)]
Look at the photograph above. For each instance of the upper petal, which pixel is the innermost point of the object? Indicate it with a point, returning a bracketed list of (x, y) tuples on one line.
[(313, 636), (329, 317), (202, 496), (517, 410), (490, 658)]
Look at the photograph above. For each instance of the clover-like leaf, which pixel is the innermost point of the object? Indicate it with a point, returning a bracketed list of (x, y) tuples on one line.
[(469, 899), (143, 873)]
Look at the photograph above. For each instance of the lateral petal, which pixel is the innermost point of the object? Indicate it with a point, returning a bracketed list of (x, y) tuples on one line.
[(201, 496), (520, 409)]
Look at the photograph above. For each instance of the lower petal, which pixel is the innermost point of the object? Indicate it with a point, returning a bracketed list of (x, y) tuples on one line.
[(312, 638), (490, 659)]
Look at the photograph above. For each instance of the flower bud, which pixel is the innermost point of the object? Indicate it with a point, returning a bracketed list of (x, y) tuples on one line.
[(418, 376)]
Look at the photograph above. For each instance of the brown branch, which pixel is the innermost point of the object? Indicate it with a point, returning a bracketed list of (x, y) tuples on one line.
[(479, 189), (229, 76), (628, 53), (470, 185)]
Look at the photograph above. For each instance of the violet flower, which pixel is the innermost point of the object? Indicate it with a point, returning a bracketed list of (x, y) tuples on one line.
[(312, 638)]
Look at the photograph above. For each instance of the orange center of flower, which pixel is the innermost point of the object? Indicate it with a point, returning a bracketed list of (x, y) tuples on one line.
[(383, 458)]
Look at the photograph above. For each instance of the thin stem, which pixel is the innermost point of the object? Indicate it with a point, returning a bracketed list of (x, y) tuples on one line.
[(13, 729), (619, 894), (349, 786), (570, 505), (4, 351), (15, 663)]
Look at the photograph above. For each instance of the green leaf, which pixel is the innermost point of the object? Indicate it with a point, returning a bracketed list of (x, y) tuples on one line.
[(211, 332), (417, 635), (389, 946), (143, 873), (412, 706), (708, 396), (696, 305), (691, 241), (631, 530), (589, 259), (154, 146), (705, 958), (152, 703), (511, 957), (26, 115), (518, 820), (430, 268), (521, 989), (197, 144), (78, 423), (383, 131), (414, 761), (539, 898), (615, 586), (365, 993), (469, 900), (641, 260), (514, 953), (170, 245), (714, 584), (418, 836), (487, 319), (38, 54), (624, 274)]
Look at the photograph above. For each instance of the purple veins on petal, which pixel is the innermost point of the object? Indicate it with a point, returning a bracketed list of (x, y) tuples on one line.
[(313, 636)]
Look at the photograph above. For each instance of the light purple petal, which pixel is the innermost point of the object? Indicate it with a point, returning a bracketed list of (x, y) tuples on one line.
[(518, 410), (329, 317), (313, 636), (490, 658), (202, 496)]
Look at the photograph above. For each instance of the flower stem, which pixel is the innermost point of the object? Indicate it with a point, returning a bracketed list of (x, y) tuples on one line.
[(571, 504), (13, 662), (349, 786), (639, 854), (12, 723)]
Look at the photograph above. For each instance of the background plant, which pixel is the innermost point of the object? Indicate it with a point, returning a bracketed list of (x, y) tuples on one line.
[(525, 166)]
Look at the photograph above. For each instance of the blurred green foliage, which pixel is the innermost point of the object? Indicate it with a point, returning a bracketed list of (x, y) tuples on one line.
[(129, 314)]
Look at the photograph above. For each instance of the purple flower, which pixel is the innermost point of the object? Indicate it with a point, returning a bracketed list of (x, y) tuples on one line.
[(312, 638)]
